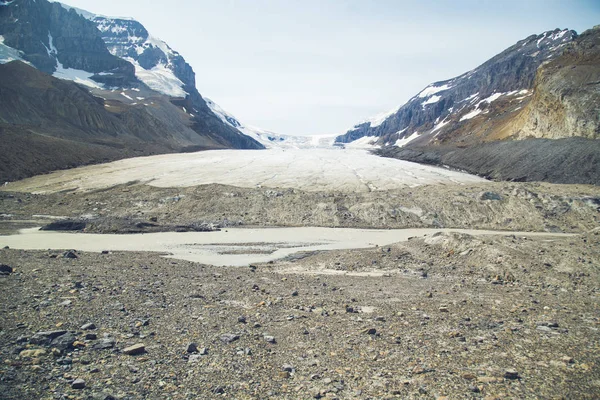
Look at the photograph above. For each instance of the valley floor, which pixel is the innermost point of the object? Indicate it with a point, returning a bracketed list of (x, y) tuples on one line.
[(449, 315)]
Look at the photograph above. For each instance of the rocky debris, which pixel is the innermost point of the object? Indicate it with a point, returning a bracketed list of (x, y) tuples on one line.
[(33, 353), (46, 337), (88, 327), (134, 350), (64, 225), (487, 340)]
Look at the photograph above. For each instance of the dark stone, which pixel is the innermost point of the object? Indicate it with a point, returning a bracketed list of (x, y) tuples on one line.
[(45, 338), (104, 344), (78, 384), (192, 348), (5, 269), (70, 254), (64, 342), (88, 327), (490, 196)]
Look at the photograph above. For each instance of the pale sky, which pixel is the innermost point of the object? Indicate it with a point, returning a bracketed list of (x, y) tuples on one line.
[(320, 66)]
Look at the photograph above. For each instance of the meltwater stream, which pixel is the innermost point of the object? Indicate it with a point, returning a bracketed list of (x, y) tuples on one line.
[(231, 247)]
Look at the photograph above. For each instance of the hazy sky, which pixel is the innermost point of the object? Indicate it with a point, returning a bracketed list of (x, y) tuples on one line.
[(320, 66)]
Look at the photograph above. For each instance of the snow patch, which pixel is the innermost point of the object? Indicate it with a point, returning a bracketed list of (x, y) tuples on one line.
[(379, 118), (431, 90), (76, 75), (365, 142), (160, 79), (8, 54), (440, 125), (431, 100), (86, 14), (471, 114), (404, 141)]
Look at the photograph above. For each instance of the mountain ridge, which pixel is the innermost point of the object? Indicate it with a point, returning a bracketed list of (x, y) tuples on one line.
[(448, 105)]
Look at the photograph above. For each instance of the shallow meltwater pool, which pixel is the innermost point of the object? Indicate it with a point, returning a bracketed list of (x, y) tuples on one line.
[(231, 247)]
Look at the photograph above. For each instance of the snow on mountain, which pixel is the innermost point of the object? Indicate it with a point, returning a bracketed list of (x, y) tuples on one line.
[(7, 53), (270, 139)]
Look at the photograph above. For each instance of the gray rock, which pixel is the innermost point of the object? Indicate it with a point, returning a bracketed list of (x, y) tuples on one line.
[(135, 349), (192, 348), (270, 339), (78, 384), (229, 338), (5, 269), (104, 344), (511, 374), (44, 338), (88, 327), (194, 358), (64, 342), (490, 196), (70, 254), (287, 367)]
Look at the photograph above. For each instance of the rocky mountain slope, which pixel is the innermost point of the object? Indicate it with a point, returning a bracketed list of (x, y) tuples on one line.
[(566, 94), (467, 108), (132, 102), (545, 87)]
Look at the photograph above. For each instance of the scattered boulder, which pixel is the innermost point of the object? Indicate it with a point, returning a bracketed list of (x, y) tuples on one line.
[(229, 338), (511, 374), (6, 269), (64, 342), (70, 254), (270, 339), (135, 349), (104, 344), (78, 384), (88, 327), (45, 338), (192, 348), (490, 196)]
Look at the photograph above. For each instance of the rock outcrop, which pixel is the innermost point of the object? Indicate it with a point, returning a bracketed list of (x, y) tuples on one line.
[(566, 95)]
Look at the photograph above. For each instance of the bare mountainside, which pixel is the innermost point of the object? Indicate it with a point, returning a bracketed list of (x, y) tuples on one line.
[(70, 96)]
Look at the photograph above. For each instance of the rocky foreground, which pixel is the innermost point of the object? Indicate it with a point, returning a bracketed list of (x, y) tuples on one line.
[(448, 316)]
